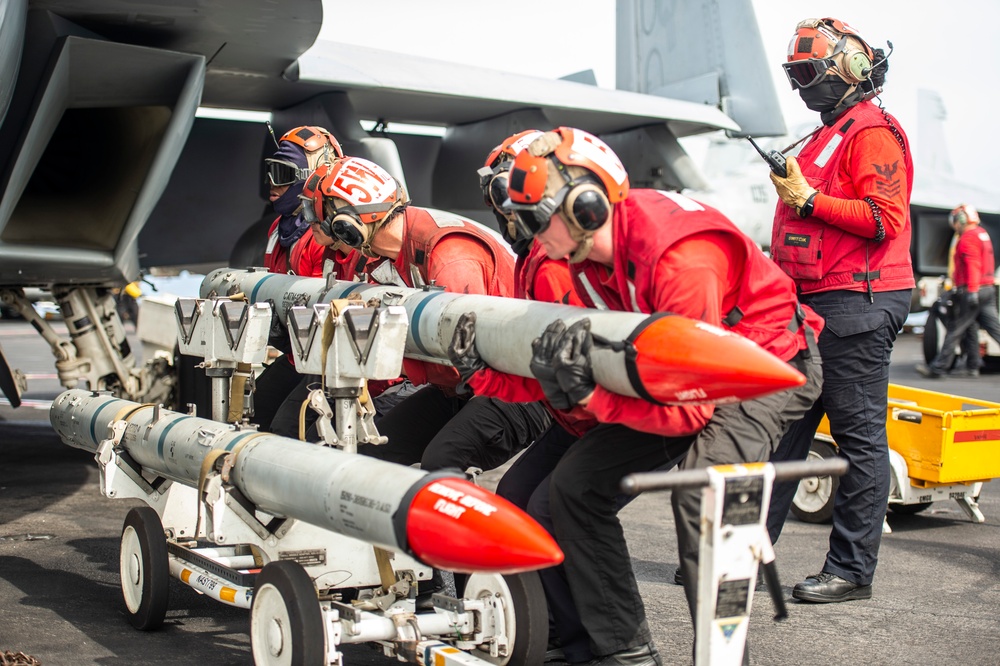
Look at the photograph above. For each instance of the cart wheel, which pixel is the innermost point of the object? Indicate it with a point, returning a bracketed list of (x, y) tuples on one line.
[(813, 502), (144, 568), (526, 614), (286, 623), (908, 509)]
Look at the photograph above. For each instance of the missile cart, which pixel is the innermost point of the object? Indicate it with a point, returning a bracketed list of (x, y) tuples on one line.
[(941, 447), (310, 590)]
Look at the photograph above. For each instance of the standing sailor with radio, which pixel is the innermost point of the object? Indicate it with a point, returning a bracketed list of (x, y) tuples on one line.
[(842, 232)]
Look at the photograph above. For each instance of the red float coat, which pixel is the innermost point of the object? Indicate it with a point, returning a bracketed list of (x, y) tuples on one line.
[(276, 256), (536, 278), (307, 256), (974, 262), (672, 254), (838, 246), (454, 253)]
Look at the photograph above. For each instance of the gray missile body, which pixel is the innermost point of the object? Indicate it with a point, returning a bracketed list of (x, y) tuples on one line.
[(664, 359), (353, 495)]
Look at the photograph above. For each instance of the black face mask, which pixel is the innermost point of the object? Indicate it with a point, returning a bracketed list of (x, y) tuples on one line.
[(824, 95), (520, 246)]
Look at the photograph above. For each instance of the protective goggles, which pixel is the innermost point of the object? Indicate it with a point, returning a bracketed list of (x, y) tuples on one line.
[(533, 219), (582, 202), (280, 172), (493, 182), (807, 73), (308, 209)]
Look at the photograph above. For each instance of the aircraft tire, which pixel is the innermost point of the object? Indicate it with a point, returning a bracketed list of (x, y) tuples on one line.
[(933, 336)]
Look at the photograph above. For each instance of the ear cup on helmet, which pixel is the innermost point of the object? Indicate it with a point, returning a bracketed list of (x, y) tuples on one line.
[(859, 66), (587, 206), (346, 228)]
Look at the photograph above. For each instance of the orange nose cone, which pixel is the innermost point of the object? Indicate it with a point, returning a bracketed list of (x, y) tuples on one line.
[(455, 525), (685, 361)]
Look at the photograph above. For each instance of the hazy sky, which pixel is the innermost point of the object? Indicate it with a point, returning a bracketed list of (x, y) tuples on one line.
[(938, 45)]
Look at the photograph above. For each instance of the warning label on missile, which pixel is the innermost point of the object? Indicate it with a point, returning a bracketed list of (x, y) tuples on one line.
[(454, 502)]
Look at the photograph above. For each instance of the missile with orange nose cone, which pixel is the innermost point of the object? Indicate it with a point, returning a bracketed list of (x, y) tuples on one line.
[(666, 359), (441, 519)]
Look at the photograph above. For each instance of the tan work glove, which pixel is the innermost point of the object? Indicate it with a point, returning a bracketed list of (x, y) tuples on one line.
[(793, 190)]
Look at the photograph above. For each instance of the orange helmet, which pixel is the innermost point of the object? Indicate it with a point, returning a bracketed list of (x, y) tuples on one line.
[(493, 174), (348, 195), (963, 215), (819, 45), (312, 138), (318, 146), (566, 170)]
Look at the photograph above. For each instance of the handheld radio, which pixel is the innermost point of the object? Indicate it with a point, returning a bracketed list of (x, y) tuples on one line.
[(774, 159)]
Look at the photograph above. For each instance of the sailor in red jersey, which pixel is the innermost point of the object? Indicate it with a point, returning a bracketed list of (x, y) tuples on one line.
[(364, 207), (300, 150), (290, 249), (975, 293), (525, 483), (842, 232), (653, 252)]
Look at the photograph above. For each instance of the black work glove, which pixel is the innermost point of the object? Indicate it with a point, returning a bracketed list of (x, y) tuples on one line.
[(462, 352), (972, 300), (543, 351), (572, 361), (277, 336)]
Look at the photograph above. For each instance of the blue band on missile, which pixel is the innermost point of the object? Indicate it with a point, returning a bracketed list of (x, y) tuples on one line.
[(253, 294), (232, 444), (631, 367), (93, 421), (415, 320), (403, 509), (355, 286), (161, 440)]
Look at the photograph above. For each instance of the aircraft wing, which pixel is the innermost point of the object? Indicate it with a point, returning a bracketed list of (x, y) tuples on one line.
[(105, 170), (411, 89)]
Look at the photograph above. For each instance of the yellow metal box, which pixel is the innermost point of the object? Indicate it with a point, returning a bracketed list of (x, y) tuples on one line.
[(943, 438)]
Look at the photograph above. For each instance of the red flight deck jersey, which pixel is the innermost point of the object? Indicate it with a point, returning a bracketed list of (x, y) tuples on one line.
[(455, 253), (674, 254), (839, 246), (974, 262), (276, 257), (307, 256)]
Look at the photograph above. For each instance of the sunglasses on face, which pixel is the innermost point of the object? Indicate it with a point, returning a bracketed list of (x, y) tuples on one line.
[(280, 172)]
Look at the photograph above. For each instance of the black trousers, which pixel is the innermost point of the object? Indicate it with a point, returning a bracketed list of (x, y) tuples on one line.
[(856, 345), (528, 484), (745, 432), (441, 431), (583, 501), (271, 388), (985, 316)]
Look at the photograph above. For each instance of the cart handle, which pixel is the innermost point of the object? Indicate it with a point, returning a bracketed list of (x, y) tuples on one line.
[(633, 484)]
